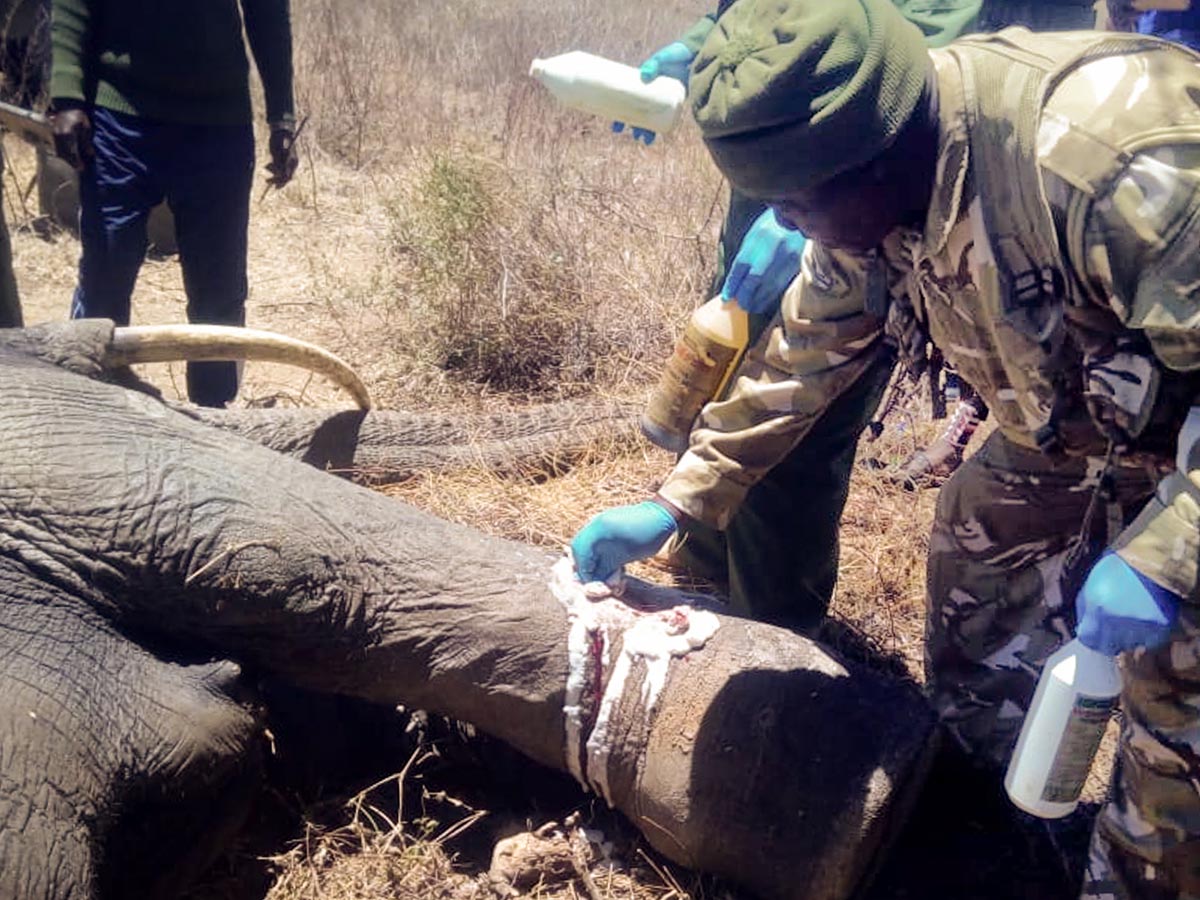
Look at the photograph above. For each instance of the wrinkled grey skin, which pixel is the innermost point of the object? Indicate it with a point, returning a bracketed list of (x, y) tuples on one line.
[(147, 560), (385, 446)]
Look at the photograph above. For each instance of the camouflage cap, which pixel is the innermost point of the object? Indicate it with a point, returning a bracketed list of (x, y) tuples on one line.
[(788, 93)]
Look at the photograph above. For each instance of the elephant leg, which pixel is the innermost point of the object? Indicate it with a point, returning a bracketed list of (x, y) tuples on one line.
[(121, 775)]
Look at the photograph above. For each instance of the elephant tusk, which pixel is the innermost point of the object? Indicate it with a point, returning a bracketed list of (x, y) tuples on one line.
[(202, 343)]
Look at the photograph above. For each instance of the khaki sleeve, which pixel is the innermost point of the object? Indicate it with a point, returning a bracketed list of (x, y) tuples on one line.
[(820, 344), (1141, 243)]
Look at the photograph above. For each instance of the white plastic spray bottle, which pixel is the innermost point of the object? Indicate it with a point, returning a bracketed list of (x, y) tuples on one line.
[(1060, 736), (613, 90)]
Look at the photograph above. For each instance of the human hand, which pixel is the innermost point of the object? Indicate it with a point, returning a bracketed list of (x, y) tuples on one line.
[(1119, 608), (671, 61), (284, 159), (1122, 16), (766, 262), (618, 536), (72, 129), (645, 135)]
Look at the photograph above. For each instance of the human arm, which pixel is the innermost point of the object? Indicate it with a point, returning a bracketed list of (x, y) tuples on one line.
[(1136, 254), (70, 38), (1121, 15), (622, 535), (70, 35), (823, 342), (674, 60), (1120, 609), (941, 21), (269, 33)]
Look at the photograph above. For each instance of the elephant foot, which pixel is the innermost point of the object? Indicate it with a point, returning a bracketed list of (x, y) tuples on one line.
[(121, 775)]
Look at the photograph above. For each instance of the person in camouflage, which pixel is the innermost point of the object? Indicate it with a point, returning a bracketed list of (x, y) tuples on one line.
[(756, 258), (931, 465), (1030, 205)]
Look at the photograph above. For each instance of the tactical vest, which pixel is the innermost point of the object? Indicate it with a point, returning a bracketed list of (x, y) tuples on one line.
[(1048, 326)]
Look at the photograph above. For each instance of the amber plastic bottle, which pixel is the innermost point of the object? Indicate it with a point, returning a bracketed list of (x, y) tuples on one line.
[(705, 357)]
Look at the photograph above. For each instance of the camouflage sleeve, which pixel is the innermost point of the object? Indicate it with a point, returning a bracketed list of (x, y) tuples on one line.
[(1139, 243), (822, 342), (70, 26)]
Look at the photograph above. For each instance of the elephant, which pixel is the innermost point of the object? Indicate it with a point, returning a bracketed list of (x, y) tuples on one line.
[(150, 561)]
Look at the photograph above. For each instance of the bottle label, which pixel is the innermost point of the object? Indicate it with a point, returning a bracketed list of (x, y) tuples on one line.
[(692, 377), (1081, 738)]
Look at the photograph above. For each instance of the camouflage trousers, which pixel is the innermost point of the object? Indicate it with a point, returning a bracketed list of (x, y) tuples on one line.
[(1008, 552)]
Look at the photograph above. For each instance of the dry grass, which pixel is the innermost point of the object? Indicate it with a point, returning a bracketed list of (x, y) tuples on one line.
[(466, 244)]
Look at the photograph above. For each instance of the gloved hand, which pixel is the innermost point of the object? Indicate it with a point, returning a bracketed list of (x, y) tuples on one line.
[(645, 135), (671, 61), (1119, 608), (73, 137), (766, 262), (284, 158), (618, 536)]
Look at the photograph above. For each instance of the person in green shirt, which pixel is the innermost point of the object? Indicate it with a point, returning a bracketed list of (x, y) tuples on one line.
[(152, 101)]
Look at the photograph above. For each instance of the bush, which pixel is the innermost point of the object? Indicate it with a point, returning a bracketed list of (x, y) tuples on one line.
[(500, 296)]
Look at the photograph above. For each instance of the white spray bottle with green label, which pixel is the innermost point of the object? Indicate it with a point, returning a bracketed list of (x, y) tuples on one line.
[(1071, 708)]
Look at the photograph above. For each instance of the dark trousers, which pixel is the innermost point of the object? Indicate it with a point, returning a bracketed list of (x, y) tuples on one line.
[(1182, 27), (779, 555), (205, 173), (1037, 15)]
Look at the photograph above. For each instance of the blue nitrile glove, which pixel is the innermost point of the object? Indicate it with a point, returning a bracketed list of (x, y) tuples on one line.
[(671, 61), (645, 135), (1119, 608), (618, 536), (766, 262)]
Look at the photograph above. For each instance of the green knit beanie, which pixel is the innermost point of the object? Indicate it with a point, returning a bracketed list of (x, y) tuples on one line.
[(789, 93)]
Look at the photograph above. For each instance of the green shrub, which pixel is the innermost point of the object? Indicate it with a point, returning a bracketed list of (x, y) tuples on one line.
[(499, 295)]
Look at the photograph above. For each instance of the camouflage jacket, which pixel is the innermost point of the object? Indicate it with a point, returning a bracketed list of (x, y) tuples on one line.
[(1118, 148)]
